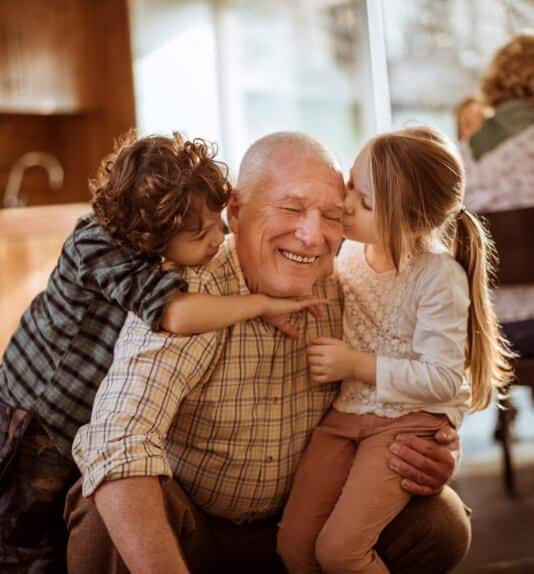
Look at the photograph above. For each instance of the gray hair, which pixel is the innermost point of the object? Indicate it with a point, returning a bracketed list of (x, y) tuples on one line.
[(270, 150)]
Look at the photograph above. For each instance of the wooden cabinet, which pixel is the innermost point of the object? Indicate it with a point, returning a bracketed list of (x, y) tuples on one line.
[(30, 243), (44, 56), (66, 88)]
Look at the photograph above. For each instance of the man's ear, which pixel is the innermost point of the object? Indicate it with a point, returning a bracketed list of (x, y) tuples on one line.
[(232, 210)]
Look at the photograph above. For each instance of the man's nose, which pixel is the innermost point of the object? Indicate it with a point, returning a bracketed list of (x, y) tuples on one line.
[(309, 229)]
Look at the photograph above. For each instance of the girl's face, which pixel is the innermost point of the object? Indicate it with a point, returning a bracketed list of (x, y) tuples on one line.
[(359, 220)]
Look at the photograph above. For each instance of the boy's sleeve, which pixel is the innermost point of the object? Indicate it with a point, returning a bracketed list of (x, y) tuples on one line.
[(134, 282)]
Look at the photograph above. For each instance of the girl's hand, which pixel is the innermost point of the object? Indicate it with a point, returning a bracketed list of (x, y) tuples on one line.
[(277, 311), (331, 360)]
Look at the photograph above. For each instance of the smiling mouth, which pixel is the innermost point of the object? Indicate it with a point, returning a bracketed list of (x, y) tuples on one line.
[(296, 258)]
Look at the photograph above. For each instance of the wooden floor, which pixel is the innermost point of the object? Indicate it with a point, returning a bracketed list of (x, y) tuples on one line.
[(503, 528)]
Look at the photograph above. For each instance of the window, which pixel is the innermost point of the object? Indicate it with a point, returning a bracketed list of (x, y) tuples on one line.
[(233, 71), (436, 50)]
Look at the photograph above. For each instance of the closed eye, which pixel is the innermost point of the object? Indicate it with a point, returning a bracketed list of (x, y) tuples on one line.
[(337, 216), (292, 209), (364, 203)]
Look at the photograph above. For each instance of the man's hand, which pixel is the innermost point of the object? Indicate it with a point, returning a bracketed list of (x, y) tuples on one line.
[(425, 465), (331, 360)]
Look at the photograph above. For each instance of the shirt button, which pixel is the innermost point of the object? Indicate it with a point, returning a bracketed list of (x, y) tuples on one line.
[(269, 458)]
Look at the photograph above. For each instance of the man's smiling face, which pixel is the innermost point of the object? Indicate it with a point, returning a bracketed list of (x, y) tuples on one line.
[(288, 229)]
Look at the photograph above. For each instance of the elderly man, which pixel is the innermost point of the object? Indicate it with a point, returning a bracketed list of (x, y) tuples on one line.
[(194, 441)]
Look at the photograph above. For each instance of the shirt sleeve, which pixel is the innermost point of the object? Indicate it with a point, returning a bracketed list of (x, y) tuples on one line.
[(124, 277), (436, 373), (137, 401)]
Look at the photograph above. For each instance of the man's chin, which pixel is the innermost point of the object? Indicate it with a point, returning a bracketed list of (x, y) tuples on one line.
[(287, 289)]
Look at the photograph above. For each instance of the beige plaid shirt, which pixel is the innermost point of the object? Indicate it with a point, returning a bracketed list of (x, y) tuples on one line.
[(227, 413)]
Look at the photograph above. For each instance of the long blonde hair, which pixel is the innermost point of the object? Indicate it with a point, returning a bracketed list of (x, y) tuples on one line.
[(417, 180)]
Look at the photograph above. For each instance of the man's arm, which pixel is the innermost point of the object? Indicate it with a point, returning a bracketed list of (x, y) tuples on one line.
[(134, 514), (123, 445)]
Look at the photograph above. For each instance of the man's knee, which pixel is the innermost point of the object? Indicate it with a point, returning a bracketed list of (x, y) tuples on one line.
[(430, 535)]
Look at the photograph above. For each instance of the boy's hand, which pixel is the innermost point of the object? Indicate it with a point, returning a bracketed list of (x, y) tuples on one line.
[(277, 311), (284, 306), (330, 360)]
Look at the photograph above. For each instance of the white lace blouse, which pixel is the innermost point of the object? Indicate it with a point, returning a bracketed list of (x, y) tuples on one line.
[(415, 321)]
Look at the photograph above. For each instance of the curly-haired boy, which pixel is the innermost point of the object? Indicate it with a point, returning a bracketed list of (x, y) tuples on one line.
[(157, 203)]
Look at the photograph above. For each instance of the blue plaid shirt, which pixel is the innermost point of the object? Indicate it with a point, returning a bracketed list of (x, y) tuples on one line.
[(64, 343)]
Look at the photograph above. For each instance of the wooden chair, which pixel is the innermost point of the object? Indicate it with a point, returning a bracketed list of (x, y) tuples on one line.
[(513, 233)]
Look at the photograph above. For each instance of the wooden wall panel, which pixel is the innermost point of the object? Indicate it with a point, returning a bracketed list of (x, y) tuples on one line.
[(76, 53)]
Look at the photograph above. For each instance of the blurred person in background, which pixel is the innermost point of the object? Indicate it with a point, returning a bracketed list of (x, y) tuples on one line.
[(499, 163), (469, 117)]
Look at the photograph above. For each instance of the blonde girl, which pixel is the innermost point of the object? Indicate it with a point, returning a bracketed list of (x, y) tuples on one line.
[(422, 346)]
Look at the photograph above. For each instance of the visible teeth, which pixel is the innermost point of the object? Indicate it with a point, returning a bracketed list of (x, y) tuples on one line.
[(297, 258)]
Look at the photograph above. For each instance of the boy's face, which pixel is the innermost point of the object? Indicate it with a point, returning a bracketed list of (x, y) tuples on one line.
[(199, 244)]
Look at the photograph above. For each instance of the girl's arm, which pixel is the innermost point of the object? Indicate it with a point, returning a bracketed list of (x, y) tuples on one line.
[(438, 344), (192, 313)]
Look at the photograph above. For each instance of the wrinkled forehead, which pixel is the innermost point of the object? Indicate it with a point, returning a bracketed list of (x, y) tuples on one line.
[(306, 181)]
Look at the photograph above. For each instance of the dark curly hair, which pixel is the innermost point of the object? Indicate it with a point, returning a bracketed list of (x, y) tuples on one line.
[(150, 188), (510, 74)]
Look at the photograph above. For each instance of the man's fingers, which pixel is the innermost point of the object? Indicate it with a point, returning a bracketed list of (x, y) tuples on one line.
[(427, 448), (448, 436), (420, 468), (317, 311), (288, 329), (407, 471)]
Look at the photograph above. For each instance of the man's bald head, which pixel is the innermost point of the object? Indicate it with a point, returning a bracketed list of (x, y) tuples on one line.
[(278, 152)]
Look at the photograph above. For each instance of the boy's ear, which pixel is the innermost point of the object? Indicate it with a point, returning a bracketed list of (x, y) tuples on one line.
[(232, 210)]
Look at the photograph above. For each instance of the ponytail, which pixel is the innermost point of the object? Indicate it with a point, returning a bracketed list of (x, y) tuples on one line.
[(488, 354)]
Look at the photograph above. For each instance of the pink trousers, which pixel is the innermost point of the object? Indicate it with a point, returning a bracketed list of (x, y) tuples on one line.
[(344, 493)]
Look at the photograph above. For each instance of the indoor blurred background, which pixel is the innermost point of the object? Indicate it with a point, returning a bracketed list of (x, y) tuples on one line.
[(75, 74)]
